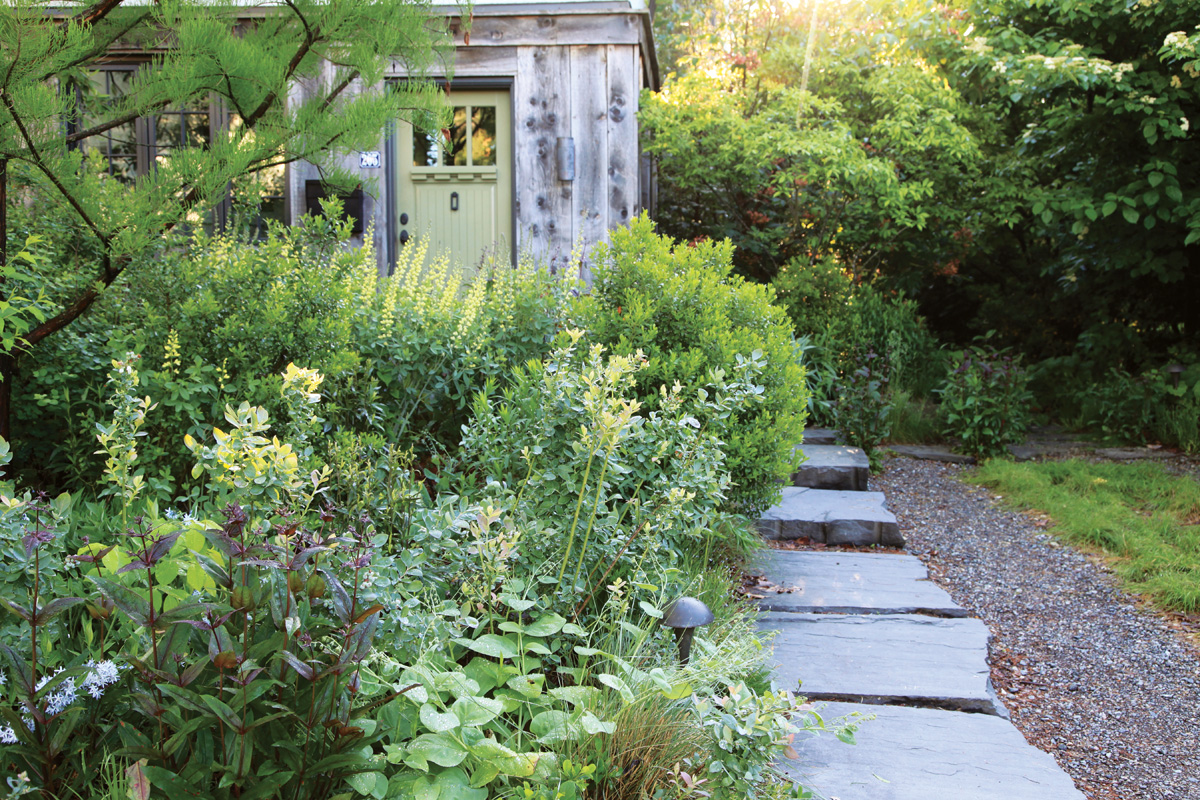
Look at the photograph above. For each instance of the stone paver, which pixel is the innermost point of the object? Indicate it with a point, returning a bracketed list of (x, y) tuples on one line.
[(1134, 453), (833, 466), (820, 436), (894, 659), (844, 582), (832, 517), (919, 754), (931, 452)]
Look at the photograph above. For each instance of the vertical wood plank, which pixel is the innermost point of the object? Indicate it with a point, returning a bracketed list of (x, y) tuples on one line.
[(623, 85), (541, 105), (589, 128)]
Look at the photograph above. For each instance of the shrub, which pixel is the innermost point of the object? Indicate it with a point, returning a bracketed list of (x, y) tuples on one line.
[(602, 485), (431, 336), (691, 318), (986, 400), (216, 319), (840, 319), (862, 413), (225, 658)]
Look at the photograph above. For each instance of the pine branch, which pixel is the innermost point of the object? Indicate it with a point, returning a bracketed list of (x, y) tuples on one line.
[(97, 12), (40, 165), (311, 35)]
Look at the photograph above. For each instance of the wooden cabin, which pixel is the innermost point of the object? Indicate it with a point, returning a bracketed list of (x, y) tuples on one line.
[(544, 152)]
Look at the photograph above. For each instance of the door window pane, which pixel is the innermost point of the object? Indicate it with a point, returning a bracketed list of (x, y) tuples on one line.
[(483, 136), (425, 149), (457, 154)]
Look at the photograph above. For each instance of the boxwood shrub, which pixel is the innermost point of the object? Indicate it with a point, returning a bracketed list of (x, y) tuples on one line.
[(682, 306)]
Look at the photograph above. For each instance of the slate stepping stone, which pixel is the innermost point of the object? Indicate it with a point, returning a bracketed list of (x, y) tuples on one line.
[(832, 517), (820, 436), (899, 659), (833, 466), (931, 452), (851, 583), (920, 753)]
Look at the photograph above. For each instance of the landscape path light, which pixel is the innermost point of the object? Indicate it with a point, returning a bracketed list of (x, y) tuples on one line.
[(685, 615), (1175, 371)]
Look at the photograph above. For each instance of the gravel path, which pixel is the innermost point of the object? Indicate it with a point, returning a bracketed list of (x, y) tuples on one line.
[(1111, 690)]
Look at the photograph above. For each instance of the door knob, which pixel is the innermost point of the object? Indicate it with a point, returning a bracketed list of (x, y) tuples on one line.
[(404, 219), (403, 237)]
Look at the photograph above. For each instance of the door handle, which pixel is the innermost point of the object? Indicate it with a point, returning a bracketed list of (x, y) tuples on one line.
[(403, 237), (454, 201)]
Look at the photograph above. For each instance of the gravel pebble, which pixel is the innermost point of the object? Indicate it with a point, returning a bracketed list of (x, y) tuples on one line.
[(1107, 687)]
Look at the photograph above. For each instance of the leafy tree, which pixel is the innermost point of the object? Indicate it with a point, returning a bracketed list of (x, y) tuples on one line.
[(871, 162), (54, 109), (1092, 105)]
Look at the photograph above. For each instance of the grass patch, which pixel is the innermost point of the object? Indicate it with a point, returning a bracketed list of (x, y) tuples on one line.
[(1147, 520), (913, 420)]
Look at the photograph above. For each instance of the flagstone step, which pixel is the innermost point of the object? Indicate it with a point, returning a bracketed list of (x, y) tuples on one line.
[(820, 436), (895, 659), (833, 466), (920, 753), (845, 582), (832, 517)]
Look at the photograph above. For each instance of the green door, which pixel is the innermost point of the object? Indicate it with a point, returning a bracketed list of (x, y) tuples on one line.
[(456, 189)]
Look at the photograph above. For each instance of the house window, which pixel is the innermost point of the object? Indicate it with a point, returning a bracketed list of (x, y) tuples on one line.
[(470, 141), (136, 148)]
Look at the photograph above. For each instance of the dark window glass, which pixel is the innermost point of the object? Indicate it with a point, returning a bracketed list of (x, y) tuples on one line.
[(457, 154), (483, 136)]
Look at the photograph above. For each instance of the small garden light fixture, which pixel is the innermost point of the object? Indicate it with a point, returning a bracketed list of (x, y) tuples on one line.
[(685, 615), (1175, 370)]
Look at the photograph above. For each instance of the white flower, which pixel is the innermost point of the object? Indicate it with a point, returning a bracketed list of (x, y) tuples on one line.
[(3, 678), (1183, 123), (8, 735), (63, 697), (104, 674)]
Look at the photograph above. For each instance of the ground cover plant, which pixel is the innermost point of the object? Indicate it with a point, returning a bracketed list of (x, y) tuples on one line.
[(1142, 519)]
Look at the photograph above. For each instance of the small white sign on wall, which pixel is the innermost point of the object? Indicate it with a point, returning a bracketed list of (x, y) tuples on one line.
[(369, 159)]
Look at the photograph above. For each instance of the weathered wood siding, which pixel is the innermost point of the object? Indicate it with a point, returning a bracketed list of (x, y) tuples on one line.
[(575, 78)]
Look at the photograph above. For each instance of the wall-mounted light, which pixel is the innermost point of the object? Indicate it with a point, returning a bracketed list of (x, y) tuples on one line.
[(565, 154)]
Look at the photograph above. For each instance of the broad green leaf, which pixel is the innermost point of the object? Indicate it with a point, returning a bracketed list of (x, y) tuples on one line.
[(595, 726), (551, 727), (453, 784), (440, 748), (546, 625), (577, 695), (365, 782), (437, 722), (492, 645), (476, 710), (617, 683)]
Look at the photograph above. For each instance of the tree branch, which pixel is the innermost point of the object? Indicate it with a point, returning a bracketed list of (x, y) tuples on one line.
[(96, 13), (310, 37), (337, 90)]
